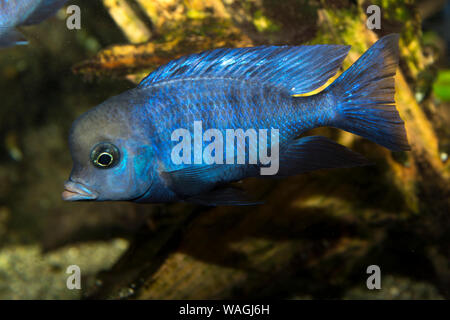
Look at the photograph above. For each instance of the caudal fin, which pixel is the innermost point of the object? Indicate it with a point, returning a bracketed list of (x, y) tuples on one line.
[(364, 94)]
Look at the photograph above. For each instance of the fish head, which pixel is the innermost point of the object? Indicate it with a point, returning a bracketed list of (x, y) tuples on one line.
[(112, 160)]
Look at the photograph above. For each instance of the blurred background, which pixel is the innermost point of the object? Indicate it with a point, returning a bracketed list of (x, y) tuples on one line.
[(316, 234)]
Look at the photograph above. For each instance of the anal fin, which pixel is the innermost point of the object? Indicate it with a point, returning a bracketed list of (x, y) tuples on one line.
[(317, 152)]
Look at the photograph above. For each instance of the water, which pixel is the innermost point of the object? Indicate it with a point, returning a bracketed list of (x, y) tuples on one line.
[(315, 236)]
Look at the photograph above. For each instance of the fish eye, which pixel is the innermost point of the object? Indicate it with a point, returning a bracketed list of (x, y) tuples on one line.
[(105, 155)]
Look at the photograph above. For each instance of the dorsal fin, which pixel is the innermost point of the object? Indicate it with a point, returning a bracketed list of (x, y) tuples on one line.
[(292, 69)]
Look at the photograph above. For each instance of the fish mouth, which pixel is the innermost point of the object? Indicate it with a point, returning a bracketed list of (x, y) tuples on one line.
[(75, 191)]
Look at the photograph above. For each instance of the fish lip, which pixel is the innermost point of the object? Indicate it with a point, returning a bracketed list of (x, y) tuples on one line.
[(76, 191)]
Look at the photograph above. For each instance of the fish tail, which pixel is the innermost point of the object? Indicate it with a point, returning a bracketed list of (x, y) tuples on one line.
[(364, 97)]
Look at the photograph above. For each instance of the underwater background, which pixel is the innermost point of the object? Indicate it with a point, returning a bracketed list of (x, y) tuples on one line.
[(315, 235)]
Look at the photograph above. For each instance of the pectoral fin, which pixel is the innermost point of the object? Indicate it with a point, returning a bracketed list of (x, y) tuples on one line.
[(206, 184), (316, 152), (227, 196), (194, 179)]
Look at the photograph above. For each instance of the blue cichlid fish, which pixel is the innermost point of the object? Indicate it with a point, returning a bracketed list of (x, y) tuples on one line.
[(121, 149), (15, 13)]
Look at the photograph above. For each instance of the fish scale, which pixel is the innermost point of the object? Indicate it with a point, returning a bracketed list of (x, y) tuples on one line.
[(247, 107)]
